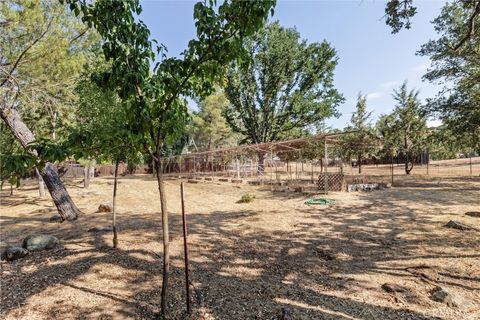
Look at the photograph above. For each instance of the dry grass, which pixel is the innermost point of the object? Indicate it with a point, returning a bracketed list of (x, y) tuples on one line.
[(249, 261)]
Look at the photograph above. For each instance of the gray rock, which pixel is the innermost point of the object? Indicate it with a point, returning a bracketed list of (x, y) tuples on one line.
[(460, 226), (105, 207), (363, 187), (39, 242), (14, 253), (100, 229), (46, 210), (441, 295), (56, 218), (475, 214)]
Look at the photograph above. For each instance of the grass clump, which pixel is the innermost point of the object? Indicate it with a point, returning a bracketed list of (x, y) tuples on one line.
[(246, 198)]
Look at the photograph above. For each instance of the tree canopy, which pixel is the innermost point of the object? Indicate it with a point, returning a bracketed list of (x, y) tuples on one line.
[(288, 87), (458, 70), (208, 127), (405, 129)]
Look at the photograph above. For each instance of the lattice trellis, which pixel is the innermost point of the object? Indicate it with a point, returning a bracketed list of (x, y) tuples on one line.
[(335, 181)]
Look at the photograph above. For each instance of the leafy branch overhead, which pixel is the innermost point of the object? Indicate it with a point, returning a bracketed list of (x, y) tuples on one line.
[(398, 14)]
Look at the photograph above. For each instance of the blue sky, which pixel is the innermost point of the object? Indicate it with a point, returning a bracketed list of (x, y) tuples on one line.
[(371, 59)]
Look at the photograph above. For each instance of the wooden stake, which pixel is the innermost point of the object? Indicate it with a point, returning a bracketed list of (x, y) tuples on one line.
[(185, 248)]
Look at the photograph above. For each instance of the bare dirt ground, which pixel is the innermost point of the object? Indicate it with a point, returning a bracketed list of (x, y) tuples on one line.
[(274, 258)]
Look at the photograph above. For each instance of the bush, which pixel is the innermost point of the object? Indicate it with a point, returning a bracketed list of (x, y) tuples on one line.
[(246, 198)]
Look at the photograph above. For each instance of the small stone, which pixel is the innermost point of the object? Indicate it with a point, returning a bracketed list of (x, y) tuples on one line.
[(441, 295), (100, 229), (391, 287), (475, 214), (458, 225), (14, 253), (56, 218), (45, 210), (39, 242), (105, 207)]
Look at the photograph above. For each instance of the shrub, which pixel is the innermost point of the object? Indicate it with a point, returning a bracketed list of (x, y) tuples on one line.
[(246, 198)]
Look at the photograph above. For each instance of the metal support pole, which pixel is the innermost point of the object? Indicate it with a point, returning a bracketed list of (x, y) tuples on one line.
[(185, 248)]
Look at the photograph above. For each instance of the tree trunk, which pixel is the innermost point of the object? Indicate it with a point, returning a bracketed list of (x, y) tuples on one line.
[(408, 168), (261, 162), (86, 176), (359, 162), (114, 204), (41, 184), (64, 203), (91, 171), (166, 238)]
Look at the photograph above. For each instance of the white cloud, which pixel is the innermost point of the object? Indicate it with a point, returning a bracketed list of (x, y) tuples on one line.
[(375, 95), (391, 84)]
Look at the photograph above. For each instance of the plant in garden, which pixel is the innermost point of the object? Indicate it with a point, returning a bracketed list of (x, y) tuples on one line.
[(246, 198)]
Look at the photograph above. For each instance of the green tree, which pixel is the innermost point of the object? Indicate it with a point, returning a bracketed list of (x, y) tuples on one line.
[(43, 48), (458, 104), (208, 127), (288, 87), (362, 142), (102, 130), (405, 129), (158, 108), (399, 12)]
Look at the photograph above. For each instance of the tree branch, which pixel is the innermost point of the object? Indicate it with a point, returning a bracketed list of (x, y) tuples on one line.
[(79, 35), (471, 28), (20, 57)]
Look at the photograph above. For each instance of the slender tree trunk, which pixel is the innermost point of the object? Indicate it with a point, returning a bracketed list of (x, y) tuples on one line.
[(261, 162), (114, 206), (11, 189), (86, 176), (359, 163), (91, 171), (41, 184), (407, 158), (64, 203), (166, 237)]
